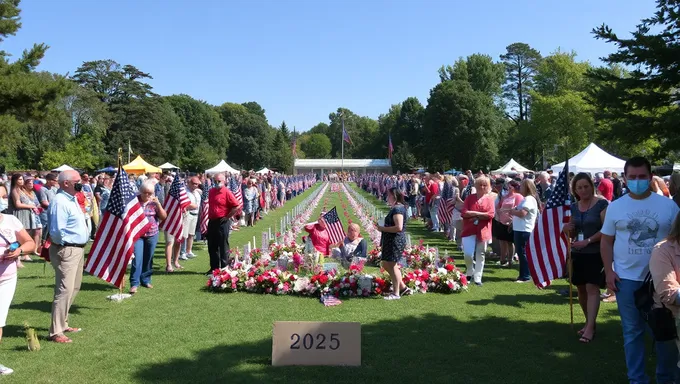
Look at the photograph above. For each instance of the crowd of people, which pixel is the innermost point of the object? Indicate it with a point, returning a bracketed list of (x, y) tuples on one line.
[(623, 231), (54, 216)]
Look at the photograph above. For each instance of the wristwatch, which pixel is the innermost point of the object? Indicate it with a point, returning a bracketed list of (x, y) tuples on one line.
[(21, 251)]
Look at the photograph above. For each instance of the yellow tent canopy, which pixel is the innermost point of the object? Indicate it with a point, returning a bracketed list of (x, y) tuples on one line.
[(139, 166)]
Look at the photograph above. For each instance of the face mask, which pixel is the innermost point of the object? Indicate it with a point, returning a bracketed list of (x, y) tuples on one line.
[(218, 184), (78, 187), (638, 187)]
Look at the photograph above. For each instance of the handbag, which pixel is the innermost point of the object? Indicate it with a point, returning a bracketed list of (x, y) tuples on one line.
[(660, 320)]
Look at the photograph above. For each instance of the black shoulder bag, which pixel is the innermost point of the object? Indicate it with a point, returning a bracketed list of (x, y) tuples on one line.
[(660, 320)]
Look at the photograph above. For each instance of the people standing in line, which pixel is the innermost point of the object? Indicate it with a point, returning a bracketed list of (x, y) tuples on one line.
[(587, 215), (29, 193), (69, 235), (102, 192), (606, 186), (21, 206), (393, 242), (544, 187), (502, 225), (223, 206), (632, 226), (11, 233), (46, 195), (523, 222), (478, 211), (142, 265), (190, 224)]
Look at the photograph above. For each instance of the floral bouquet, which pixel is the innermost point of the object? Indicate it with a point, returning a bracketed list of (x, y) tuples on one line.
[(374, 256), (419, 257), (417, 280), (255, 255), (447, 279)]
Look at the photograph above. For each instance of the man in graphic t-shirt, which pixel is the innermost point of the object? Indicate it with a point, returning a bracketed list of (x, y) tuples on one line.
[(632, 226)]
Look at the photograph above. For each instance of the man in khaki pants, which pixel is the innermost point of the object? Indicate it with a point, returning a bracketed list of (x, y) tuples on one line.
[(69, 235)]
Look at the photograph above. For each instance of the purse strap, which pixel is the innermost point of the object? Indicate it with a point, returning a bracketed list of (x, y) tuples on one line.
[(4, 238)]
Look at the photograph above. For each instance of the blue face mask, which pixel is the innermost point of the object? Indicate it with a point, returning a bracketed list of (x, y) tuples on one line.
[(638, 187)]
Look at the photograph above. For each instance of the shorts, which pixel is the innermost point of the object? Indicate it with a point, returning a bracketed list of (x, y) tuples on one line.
[(7, 288), (587, 268), (502, 232), (169, 239), (189, 224)]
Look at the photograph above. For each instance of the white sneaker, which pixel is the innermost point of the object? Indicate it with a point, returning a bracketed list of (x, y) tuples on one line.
[(190, 255), (5, 370), (183, 257)]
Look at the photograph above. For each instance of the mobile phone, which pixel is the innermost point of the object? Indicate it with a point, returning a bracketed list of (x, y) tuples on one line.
[(14, 246)]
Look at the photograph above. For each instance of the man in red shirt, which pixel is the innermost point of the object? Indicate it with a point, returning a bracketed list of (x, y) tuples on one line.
[(606, 187), (221, 209)]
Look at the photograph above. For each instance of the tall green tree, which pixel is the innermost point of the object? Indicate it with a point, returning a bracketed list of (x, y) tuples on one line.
[(316, 146), (251, 138), (206, 135), (282, 156), (26, 98), (409, 127), (521, 63), (459, 116), (483, 74), (256, 109), (644, 103)]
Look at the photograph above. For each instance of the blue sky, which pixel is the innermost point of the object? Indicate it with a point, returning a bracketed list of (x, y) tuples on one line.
[(302, 59)]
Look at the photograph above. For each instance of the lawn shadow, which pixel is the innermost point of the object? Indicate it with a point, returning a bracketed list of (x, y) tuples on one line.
[(45, 306), (518, 300), (14, 330), (86, 286), (426, 348)]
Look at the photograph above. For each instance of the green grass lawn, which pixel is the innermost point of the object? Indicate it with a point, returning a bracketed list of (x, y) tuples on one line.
[(502, 332)]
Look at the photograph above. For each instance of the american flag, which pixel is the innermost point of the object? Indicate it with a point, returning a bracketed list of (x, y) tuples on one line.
[(345, 135), (175, 205), (390, 148), (446, 205), (235, 187), (547, 247), (204, 210), (334, 226), (123, 223)]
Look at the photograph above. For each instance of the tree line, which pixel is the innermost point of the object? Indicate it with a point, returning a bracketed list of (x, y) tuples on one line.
[(524, 105)]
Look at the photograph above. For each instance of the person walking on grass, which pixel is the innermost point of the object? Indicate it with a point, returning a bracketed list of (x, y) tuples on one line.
[(393, 242), (69, 234), (478, 211), (633, 224), (222, 207)]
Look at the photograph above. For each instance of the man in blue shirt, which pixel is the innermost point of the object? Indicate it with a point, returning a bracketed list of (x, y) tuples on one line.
[(69, 234)]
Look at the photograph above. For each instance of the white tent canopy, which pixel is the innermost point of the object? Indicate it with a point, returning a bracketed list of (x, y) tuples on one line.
[(511, 166), (63, 168), (263, 171), (592, 159), (168, 166), (222, 167)]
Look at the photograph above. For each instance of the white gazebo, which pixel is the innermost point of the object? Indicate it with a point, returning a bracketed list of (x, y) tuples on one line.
[(263, 171), (592, 159), (511, 166), (221, 167), (168, 166), (62, 168)]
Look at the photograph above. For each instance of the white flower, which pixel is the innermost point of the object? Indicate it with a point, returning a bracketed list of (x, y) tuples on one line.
[(223, 286), (441, 271)]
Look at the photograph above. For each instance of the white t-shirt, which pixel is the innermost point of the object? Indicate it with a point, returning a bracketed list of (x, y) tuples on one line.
[(637, 225), (526, 223), (194, 198), (9, 226)]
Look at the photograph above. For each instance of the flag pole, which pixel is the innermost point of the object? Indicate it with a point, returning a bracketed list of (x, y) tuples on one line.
[(120, 165), (570, 265), (342, 143)]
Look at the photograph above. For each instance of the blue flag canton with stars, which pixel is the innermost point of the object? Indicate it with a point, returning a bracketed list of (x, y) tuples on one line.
[(175, 188), (233, 184), (560, 194), (204, 196), (121, 194), (331, 216)]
